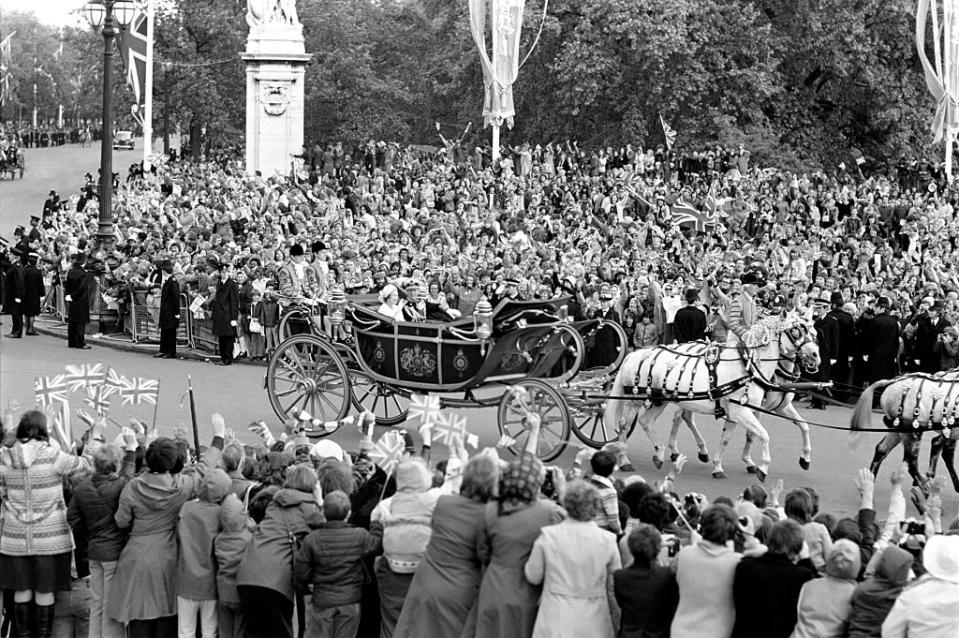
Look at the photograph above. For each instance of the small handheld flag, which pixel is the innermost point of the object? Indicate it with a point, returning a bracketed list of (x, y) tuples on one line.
[(669, 133)]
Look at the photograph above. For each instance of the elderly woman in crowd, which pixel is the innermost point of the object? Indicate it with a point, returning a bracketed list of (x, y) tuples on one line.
[(405, 517), (574, 561), (705, 573), (265, 577), (145, 584), (36, 545), (446, 583), (507, 601)]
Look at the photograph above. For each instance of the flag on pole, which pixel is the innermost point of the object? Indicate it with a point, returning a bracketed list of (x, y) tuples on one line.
[(668, 133), (452, 426), (140, 390), (98, 400), (114, 382), (5, 73), (50, 391), (85, 375), (426, 407), (388, 451), (62, 431), (133, 54)]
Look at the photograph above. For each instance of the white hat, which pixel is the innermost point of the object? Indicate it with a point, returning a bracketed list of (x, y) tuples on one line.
[(941, 557), (327, 449)]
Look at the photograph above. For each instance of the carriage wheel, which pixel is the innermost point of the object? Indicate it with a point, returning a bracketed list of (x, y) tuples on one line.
[(532, 395), (389, 404), (305, 373), (588, 425)]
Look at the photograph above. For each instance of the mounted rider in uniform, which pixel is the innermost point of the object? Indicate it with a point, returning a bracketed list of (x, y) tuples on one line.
[(743, 311)]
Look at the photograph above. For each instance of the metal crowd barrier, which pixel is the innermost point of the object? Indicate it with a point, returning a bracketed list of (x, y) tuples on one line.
[(142, 321), (201, 332), (54, 304)]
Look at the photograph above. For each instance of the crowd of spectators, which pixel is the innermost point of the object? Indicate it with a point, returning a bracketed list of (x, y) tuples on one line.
[(870, 259), (290, 537)]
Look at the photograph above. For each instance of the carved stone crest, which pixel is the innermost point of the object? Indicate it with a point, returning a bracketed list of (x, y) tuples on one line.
[(275, 98)]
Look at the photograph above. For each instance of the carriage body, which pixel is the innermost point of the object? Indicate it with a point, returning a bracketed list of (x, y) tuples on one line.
[(533, 348)]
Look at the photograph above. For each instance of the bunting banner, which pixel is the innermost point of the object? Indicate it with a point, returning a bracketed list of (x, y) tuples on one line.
[(500, 70), (133, 54)]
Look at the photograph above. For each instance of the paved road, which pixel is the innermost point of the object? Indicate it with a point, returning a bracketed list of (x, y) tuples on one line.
[(59, 168), (238, 392)]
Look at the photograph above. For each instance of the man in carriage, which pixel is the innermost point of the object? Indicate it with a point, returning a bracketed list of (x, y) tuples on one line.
[(299, 284)]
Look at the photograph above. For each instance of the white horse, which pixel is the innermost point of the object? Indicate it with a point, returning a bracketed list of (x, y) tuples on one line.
[(704, 377), (775, 400)]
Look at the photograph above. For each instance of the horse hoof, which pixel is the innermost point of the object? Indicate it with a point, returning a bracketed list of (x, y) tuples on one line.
[(719, 475), (628, 468), (658, 462), (673, 457), (704, 458), (760, 475), (751, 469), (804, 463)]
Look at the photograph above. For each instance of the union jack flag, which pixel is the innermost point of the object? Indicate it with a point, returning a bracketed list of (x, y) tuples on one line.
[(97, 399), (50, 390), (388, 451), (85, 376), (506, 441), (669, 133), (114, 382), (140, 390), (452, 426), (426, 407), (133, 54)]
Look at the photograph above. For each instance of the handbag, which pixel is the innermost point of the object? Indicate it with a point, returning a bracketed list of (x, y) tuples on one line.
[(255, 325)]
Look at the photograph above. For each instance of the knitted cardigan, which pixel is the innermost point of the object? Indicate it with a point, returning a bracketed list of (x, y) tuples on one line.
[(33, 515)]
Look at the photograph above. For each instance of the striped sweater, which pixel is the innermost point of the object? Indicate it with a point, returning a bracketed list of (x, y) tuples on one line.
[(33, 515), (740, 316)]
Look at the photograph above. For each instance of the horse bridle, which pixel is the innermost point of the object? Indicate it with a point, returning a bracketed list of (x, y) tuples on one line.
[(799, 336)]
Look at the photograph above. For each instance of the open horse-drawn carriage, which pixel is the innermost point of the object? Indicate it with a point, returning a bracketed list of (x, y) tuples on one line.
[(575, 375), (531, 350), (12, 162)]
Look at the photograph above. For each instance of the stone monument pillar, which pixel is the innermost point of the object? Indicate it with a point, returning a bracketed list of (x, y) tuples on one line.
[(275, 71)]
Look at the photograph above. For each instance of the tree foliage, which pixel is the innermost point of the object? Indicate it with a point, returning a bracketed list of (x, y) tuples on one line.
[(801, 83)]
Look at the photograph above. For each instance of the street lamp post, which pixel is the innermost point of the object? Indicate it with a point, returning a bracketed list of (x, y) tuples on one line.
[(109, 14)]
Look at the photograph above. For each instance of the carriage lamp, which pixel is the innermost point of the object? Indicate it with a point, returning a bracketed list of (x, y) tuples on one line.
[(337, 306), (483, 320)]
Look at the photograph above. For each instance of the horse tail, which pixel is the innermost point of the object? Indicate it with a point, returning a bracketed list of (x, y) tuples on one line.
[(862, 413)]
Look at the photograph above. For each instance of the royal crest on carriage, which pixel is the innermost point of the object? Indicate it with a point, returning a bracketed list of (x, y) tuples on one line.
[(417, 362), (379, 354), (460, 361)]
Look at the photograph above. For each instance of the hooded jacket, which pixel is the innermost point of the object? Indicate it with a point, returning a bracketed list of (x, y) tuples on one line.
[(95, 501), (874, 597), (269, 557), (229, 546), (33, 514)]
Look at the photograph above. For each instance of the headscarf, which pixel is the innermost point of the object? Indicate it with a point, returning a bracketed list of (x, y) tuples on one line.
[(520, 483)]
